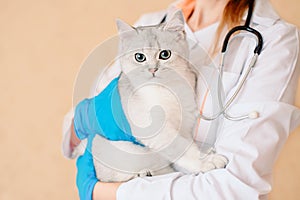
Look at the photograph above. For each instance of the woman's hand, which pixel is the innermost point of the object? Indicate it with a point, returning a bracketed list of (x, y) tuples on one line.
[(103, 115), (86, 175), (87, 183)]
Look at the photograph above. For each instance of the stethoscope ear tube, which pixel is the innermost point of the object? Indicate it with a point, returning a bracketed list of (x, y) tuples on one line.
[(247, 28), (259, 37)]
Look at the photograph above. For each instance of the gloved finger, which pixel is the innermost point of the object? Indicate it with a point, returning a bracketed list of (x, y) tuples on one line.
[(86, 175)]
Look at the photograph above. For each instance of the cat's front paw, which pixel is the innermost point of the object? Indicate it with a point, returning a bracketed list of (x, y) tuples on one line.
[(213, 161)]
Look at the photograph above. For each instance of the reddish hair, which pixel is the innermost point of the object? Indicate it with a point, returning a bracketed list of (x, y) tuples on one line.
[(232, 16)]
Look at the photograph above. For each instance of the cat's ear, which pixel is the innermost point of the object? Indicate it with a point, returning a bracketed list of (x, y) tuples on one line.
[(124, 29), (176, 22), (123, 26)]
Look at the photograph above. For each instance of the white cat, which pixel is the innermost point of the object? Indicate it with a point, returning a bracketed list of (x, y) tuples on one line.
[(157, 87)]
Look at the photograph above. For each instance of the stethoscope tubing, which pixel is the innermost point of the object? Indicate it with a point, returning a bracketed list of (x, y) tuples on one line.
[(257, 51)]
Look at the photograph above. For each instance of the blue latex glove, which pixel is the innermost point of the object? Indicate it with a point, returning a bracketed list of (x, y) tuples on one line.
[(86, 175), (103, 115)]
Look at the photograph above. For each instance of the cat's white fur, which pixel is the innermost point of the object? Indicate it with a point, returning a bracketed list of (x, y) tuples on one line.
[(161, 108)]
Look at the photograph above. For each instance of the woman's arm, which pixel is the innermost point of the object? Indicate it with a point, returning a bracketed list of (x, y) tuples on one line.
[(251, 149), (74, 141)]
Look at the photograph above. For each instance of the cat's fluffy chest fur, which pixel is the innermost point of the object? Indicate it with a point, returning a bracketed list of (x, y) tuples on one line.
[(173, 96)]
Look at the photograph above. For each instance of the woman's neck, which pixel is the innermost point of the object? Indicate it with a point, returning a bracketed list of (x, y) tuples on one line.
[(206, 12)]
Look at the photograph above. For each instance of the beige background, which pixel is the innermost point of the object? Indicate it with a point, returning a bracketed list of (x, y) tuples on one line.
[(42, 44)]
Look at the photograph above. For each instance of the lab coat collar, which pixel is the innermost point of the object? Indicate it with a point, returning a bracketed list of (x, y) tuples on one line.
[(263, 13)]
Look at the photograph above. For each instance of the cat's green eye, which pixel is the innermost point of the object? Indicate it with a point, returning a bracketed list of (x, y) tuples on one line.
[(165, 54), (139, 57)]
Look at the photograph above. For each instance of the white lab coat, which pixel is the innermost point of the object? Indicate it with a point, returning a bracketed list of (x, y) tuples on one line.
[(251, 145)]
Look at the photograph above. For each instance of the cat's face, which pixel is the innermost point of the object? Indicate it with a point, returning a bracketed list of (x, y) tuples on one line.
[(153, 51)]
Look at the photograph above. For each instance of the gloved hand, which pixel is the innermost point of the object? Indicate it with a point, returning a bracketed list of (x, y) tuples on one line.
[(103, 115), (86, 175)]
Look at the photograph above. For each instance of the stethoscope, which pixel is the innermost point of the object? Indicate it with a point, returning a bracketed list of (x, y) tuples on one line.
[(257, 51)]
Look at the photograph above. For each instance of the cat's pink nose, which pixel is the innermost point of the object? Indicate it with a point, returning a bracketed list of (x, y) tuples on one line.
[(153, 70)]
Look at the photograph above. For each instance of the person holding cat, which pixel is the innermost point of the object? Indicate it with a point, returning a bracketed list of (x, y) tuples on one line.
[(251, 146)]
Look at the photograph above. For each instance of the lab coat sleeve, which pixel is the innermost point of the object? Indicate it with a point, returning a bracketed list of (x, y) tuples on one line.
[(251, 148), (251, 145)]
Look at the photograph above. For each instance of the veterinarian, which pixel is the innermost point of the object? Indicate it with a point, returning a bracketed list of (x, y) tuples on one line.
[(251, 145)]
